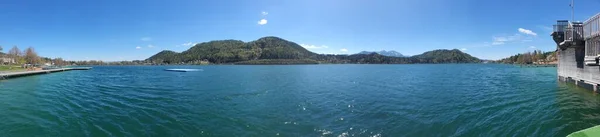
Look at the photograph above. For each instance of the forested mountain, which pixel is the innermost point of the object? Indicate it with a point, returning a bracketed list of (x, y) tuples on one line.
[(166, 56), (390, 53), (274, 50), (445, 56), (229, 51)]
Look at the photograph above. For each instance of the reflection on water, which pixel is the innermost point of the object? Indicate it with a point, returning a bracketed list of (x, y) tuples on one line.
[(579, 108)]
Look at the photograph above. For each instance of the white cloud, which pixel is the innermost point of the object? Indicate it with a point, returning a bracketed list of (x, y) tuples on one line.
[(522, 36), (528, 32), (262, 22), (146, 39), (501, 40), (532, 47), (344, 50), (138, 47), (463, 49), (150, 46), (264, 13), (188, 44), (313, 46), (497, 43)]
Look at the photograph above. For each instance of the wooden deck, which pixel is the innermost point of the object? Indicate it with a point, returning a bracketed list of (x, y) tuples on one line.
[(8, 75)]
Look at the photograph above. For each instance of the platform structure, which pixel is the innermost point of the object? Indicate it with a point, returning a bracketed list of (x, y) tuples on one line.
[(8, 75), (578, 47)]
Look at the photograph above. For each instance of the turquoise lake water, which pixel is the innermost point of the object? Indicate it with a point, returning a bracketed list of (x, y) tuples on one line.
[(297, 100)]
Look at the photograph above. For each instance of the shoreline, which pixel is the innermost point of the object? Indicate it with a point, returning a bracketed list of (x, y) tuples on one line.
[(301, 64)]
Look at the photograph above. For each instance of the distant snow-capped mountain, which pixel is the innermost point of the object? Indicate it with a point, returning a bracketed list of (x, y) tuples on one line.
[(390, 53)]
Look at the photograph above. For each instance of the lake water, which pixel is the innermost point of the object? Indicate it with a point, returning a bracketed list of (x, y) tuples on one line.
[(297, 100)]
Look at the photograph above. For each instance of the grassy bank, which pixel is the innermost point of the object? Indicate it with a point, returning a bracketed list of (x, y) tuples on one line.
[(11, 68)]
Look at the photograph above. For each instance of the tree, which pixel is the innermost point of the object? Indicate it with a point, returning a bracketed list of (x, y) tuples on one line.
[(534, 56), (520, 59), (1, 60), (59, 62), (14, 52), (31, 56), (541, 57)]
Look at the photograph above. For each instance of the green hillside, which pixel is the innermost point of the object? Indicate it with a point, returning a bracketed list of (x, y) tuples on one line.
[(274, 50), (445, 56)]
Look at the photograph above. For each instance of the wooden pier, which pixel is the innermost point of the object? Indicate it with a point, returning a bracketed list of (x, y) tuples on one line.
[(38, 72)]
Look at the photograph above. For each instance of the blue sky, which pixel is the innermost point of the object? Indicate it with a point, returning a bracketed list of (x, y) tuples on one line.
[(113, 30)]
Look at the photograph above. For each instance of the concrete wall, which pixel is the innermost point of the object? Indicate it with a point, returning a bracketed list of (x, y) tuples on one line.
[(567, 67)]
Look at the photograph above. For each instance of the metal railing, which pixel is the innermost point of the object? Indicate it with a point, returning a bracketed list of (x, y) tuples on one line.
[(574, 32), (592, 27), (592, 47), (592, 36), (560, 26)]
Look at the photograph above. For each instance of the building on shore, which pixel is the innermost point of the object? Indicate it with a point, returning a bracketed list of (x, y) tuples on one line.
[(6, 60)]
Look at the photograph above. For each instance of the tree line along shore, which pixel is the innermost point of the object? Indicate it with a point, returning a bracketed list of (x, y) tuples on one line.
[(28, 59), (537, 57)]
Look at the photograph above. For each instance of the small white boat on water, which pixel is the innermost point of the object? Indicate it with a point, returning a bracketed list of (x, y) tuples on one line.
[(183, 70)]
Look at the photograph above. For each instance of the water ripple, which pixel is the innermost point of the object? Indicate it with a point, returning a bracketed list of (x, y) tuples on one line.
[(306, 100)]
